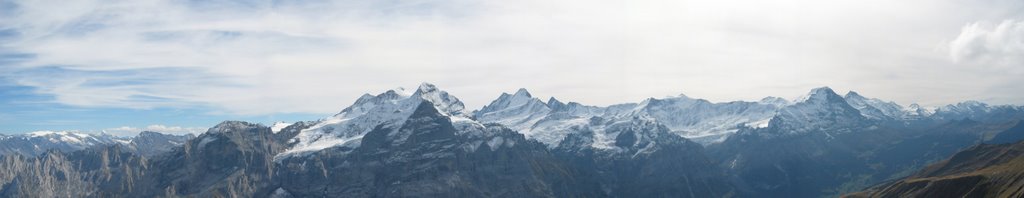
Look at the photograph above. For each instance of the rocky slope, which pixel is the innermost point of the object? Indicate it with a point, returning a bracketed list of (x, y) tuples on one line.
[(149, 143), (980, 171)]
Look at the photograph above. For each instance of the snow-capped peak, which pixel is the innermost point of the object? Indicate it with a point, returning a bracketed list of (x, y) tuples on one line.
[(47, 133), (966, 106), (555, 103), (701, 120), (40, 141), (818, 94), (820, 110), (776, 101), (277, 126), (508, 101), (68, 136), (874, 108), (387, 110), (915, 111), (522, 93), (402, 91), (965, 109), (517, 111), (854, 94), (444, 102)]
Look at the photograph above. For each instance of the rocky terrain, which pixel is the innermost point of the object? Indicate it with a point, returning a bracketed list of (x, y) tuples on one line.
[(985, 170)]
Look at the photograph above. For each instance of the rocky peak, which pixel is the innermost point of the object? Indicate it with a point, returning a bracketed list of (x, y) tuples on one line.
[(149, 134), (854, 95), (776, 101), (820, 110), (917, 111), (967, 106), (232, 126), (820, 95), (521, 99), (522, 93), (446, 103), (388, 110), (555, 103), (872, 108)]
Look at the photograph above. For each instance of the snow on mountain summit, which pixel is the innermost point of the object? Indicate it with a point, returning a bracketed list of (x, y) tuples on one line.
[(277, 126), (445, 103), (875, 108), (519, 111), (818, 94), (772, 100), (915, 111), (550, 121), (820, 110), (38, 142), (74, 138), (702, 120), (688, 117), (386, 110)]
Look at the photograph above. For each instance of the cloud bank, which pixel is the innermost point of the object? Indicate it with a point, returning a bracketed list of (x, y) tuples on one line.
[(995, 45), (269, 57)]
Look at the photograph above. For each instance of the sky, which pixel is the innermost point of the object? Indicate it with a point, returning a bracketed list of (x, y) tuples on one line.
[(180, 66)]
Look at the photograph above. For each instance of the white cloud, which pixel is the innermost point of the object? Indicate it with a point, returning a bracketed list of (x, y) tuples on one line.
[(274, 57), (1000, 45), (132, 131)]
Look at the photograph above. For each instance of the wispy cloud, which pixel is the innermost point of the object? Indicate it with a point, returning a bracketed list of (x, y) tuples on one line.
[(143, 88), (56, 122), (267, 57)]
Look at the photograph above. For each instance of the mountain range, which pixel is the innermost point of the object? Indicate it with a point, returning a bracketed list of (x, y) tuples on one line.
[(35, 143), (423, 142)]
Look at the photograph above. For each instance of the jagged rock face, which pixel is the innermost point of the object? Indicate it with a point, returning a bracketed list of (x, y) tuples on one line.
[(428, 156), (231, 159), (643, 159), (697, 119), (95, 172), (149, 143), (701, 120), (519, 111), (390, 108), (545, 122), (821, 111), (874, 108), (980, 171)]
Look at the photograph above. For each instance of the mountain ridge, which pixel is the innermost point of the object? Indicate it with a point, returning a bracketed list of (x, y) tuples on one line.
[(424, 142)]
